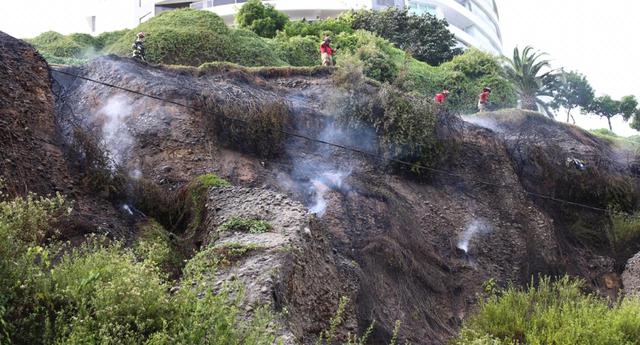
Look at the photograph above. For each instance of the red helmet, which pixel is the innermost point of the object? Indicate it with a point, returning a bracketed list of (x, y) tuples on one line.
[(140, 34)]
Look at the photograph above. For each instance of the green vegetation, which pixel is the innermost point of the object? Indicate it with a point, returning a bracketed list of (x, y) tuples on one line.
[(552, 313), (526, 71), (624, 235), (573, 91), (262, 19), (206, 261), (425, 37), (154, 246), (632, 142), (605, 106), (103, 293), (252, 226)]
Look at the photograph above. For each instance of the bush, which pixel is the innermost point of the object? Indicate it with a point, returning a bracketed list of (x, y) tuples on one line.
[(318, 28), (262, 19), (298, 51), (248, 49), (552, 313), (624, 236), (154, 246), (468, 73), (252, 226), (100, 293), (425, 37), (184, 36)]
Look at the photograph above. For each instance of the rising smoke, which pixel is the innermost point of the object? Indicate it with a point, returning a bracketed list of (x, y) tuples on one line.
[(115, 133), (323, 170), (485, 122), (477, 227)]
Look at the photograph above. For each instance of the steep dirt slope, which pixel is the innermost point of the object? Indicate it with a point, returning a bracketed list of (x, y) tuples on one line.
[(389, 243), (30, 156)]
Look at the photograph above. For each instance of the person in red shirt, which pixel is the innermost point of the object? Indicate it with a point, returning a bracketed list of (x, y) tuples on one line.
[(326, 52), (441, 97), (483, 99)]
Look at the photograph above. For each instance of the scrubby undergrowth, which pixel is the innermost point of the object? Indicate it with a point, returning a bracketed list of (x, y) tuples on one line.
[(556, 312)]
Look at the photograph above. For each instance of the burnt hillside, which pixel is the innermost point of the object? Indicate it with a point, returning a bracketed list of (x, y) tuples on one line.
[(400, 247)]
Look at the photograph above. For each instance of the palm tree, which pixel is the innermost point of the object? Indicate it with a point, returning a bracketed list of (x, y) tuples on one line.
[(525, 71)]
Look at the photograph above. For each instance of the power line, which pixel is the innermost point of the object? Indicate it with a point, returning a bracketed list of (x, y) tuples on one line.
[(344, 147)]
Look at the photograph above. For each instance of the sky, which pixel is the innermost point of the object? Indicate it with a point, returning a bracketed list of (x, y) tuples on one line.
[(600, 39)]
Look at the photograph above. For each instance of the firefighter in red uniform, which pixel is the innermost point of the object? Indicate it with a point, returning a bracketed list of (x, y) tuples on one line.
[(326, 52), (483, 99), (441, 97)]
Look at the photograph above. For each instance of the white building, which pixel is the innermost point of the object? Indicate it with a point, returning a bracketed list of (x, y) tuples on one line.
[(474, 22)]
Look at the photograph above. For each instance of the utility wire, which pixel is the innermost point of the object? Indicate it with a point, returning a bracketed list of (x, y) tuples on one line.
[(346, 148)]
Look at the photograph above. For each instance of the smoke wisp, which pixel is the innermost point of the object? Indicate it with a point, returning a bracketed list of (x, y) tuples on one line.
[(115, 132), (477, 227), (326, 168)]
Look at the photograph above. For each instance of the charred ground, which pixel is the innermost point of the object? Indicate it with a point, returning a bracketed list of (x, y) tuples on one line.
[(386, 239)]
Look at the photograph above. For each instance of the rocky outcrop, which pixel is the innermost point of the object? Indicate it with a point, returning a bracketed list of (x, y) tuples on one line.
[(631, 276)]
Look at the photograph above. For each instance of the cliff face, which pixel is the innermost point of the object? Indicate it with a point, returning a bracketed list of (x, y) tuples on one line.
[(30, 156), (399, 248)]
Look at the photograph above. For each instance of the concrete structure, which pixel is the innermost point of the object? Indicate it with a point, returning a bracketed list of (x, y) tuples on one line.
[(474, 22)]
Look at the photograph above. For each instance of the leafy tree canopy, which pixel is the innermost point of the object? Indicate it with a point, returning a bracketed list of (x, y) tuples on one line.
[(262, 19), (425, 37), (573, 91)]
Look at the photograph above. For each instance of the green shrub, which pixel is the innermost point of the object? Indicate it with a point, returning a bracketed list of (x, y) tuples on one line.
[(262, 19), (248, 49), (213, 180), (155, 247), (208, 260), (468, 73), (253, 226), (317, 28), (624, 236), (552, 313), (184, 36), (108, 38), (406, 124), (298, 51)]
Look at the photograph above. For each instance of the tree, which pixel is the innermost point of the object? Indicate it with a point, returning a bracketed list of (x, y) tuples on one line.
[(573, 91), (628, 105), (525, 71), (262, 19), (605, 106), (425, 37)]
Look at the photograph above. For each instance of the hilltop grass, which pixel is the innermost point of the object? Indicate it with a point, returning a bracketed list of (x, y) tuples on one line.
[(632, 142), (200, 38)]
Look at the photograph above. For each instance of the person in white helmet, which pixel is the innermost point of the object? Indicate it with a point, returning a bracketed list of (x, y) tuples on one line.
[(138, 47)]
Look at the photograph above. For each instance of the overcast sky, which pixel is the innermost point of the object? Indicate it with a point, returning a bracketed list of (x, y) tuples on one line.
[(600, 39)]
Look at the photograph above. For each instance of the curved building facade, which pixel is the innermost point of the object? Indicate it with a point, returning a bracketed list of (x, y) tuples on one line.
[(475, 23)]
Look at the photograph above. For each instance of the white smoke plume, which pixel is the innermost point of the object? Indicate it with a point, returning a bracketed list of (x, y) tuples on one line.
[(477, 227), (324, 170), (115, 132), (482, 121)]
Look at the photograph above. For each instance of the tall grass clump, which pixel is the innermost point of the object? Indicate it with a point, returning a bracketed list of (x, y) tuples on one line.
[(554, 312)]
